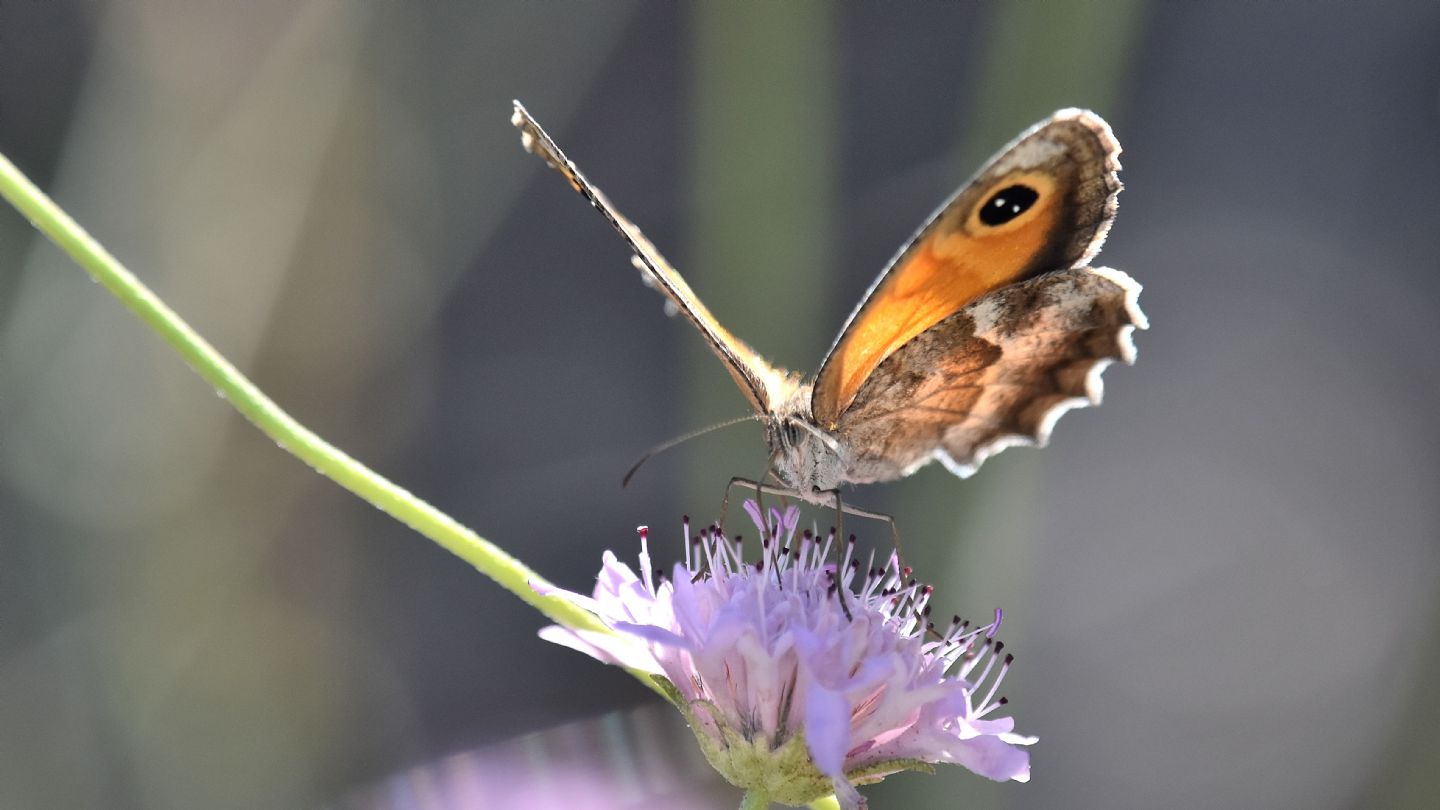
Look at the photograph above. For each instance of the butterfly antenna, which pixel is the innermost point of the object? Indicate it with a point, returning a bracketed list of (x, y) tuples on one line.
[(663, 446)]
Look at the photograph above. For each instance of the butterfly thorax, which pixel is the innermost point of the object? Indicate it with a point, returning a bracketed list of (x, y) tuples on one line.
[(805, 457)]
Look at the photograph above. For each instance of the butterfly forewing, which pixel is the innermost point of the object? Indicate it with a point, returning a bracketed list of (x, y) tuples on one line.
[(1042, 204), (763, 384)]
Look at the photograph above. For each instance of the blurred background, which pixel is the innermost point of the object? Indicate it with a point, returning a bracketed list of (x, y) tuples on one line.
[(1221, 586)]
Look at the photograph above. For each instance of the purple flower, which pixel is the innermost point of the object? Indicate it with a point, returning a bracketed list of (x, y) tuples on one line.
[(791, 693)]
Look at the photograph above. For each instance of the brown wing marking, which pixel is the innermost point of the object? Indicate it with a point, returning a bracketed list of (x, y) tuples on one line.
[(1069, 162), (763, 384), (996, 374)]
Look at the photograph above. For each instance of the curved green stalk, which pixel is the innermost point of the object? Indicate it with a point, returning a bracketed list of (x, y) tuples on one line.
[(754, 800), (325, 458)]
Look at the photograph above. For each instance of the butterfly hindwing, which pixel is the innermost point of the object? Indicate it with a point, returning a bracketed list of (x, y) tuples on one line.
[(995, 374)]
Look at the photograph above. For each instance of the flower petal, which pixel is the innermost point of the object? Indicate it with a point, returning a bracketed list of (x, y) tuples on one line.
[(993, 759), (656, 635), (827, 729), (607, 647), (848, 796)]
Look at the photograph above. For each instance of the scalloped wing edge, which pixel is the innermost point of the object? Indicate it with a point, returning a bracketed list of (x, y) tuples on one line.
[(1094, 385)]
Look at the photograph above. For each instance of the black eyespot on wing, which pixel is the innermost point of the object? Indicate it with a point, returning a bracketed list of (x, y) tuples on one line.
[(1007, 203)]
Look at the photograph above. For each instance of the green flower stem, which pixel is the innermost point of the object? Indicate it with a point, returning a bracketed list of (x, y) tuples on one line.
[(754, 800), (827, 803), (325, 458)]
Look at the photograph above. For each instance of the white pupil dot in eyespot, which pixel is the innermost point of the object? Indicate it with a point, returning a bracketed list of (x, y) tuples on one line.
[(1007, 204)]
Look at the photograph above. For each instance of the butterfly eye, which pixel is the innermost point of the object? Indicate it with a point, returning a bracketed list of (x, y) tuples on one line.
[(1007, 204)]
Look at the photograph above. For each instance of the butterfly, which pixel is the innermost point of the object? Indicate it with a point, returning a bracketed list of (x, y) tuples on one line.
[(984, 329)]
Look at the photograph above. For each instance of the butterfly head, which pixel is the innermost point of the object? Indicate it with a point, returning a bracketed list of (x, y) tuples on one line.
[(806, 457)]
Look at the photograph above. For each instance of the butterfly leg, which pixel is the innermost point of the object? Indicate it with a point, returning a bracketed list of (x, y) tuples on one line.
[(725, 502), (754, 486), (759, 489), (819, 498), (829, 497), (841, 508), (888, 520), (840, 557)]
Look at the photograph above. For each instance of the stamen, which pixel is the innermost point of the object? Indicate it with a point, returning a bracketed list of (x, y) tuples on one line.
[(646, 570), (989, 664), (690, 543), (999, 617), (985, 705)]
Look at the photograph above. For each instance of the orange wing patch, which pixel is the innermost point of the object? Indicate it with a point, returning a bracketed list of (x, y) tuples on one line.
[(997, 373), (953, 262)]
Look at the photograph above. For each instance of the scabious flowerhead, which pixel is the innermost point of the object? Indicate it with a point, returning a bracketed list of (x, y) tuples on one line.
[(790, 691)]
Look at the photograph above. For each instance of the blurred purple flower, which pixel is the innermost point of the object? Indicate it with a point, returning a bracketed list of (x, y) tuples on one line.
[(791, 693)]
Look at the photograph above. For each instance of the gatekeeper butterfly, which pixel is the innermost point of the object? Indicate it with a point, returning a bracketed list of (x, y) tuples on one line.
[(983, 330)]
